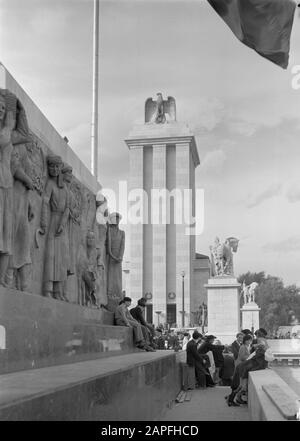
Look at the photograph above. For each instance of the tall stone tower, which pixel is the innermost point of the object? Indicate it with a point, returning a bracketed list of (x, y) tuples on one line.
[(163, 157)]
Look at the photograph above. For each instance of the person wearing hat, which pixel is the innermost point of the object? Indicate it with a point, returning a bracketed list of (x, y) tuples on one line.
[(235, 346), (261, 337), (204, 348), (138, 314), (124, 318), (196, 360)]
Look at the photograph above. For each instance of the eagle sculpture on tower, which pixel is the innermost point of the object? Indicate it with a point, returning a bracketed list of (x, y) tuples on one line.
[(155, 111)]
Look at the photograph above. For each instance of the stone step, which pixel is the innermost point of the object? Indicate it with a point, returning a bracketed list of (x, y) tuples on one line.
[(36, 332), (130, 387)]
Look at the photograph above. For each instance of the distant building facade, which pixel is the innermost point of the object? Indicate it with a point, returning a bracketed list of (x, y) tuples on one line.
[(164, 156)]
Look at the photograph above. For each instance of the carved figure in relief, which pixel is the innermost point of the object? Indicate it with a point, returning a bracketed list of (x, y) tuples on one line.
[(102, 218), (75, 207), (13, 131), (115, 252), (55, 200), (20, 261), (88, 272)]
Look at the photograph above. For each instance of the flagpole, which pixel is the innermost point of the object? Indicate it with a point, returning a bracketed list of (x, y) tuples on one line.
[(94, 135)]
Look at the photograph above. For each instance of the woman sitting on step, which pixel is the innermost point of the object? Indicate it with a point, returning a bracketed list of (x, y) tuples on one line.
[(256, 361)]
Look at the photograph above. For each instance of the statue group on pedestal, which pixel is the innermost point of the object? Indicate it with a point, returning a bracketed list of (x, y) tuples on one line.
[(248, 292), (222, 256), (92, 253)]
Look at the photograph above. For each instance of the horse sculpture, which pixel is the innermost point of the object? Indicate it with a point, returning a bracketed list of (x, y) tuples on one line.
[(248, 292), (222, 256)]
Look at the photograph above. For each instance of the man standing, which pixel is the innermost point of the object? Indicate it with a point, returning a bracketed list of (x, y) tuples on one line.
[(194, 359), (235, 346)]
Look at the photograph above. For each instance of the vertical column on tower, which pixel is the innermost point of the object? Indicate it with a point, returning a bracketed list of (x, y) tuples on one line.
[(159, 233), (183, 240), (136, 230)]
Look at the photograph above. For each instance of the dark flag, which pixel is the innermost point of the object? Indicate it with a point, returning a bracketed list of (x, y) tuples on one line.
[(263, 25)]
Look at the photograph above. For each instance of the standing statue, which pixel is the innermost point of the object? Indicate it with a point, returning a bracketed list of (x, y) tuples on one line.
[(217, 257), (73, 225), (245, 292), (88, 272), (204, 321), (102, 218), (155, 111), (56, 250), (222, 257), (199, 316), (13, 131), (252, 288), (115, 252), (20, 261)]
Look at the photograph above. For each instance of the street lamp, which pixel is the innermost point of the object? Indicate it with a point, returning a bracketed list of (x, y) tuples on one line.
[(183, 311)]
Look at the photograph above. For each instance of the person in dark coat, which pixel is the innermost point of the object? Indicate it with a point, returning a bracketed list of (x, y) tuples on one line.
[(138, 314), (235, 346), (205, 347), (218, 360), (227, 370), (261, 335), (241, 373), (159, 339), (193, 358)]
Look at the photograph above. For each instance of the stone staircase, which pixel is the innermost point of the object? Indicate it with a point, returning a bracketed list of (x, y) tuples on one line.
[(61, 361)]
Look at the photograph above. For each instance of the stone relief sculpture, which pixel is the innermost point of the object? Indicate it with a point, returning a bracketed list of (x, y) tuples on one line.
[(88, 272), (20, 261), (102, 218), (222, 256), (156, 111), (248, 292), (13, 131), (115, 252), (45, 213), (56, 252), (75, 209)]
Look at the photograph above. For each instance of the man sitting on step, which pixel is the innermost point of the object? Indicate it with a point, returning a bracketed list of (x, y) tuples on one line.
[(124, 318), (138, 314)]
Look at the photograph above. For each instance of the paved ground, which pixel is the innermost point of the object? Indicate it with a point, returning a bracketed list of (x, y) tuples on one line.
[(206, 405)]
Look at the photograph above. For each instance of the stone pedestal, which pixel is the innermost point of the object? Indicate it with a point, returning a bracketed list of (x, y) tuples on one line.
[(250, 316), (223, 308)]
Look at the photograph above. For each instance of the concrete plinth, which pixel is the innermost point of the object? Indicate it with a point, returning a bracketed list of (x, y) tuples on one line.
[(133, 387), (223, 308), (36, 331), (250, 316)]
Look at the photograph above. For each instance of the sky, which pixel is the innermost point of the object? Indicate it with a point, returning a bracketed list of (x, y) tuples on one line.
[(242, 109)]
